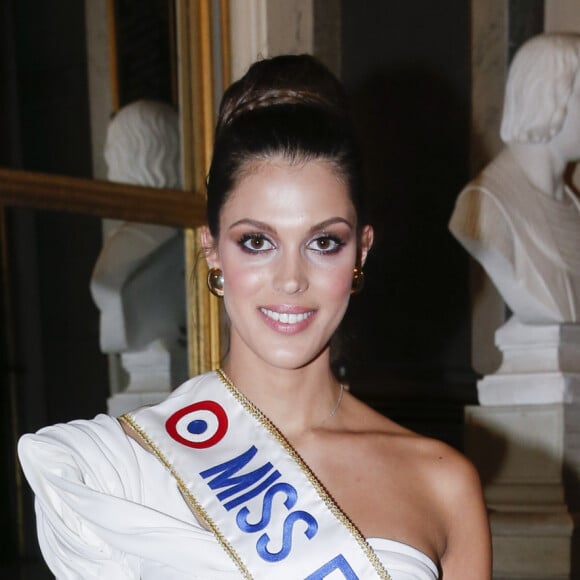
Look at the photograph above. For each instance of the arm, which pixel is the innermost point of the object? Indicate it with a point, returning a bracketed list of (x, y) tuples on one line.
[(81, 492), (468, 548)]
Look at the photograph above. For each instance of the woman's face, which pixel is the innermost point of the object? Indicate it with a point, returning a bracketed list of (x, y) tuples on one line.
[(287, 248)]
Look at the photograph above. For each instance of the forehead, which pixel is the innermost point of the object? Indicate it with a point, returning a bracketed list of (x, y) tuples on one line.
[(310, 189)]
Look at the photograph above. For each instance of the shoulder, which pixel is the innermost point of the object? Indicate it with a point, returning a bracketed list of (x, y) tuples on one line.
[(445, 471), (452, 478), (445, 474), (101, 427), (447, 486), (430, 461), (184, 390), (103, 431), (95, 452), (455, 493)]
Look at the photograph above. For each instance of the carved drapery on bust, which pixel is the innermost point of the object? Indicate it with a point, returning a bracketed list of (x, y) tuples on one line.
[(518, 217)]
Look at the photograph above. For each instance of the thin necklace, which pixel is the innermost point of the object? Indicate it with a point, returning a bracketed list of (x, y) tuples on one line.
[(338, 401), (334, 409)]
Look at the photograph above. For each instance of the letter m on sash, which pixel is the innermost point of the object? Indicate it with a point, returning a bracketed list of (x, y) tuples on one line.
[(225, 477)]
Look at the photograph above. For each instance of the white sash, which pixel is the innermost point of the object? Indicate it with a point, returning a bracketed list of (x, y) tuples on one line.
[(238, 473)]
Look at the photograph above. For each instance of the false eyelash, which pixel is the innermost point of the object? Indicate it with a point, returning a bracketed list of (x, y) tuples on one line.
[(247, 237), (333, 238)]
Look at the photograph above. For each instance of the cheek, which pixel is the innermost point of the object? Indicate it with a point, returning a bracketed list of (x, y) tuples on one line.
[(336, 283), (241, 280)]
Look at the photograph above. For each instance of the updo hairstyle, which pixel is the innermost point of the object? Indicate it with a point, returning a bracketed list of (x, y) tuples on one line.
[(290, 107)]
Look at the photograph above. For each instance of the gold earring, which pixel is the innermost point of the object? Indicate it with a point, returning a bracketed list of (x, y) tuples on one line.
[(358, 280), (215, 282)]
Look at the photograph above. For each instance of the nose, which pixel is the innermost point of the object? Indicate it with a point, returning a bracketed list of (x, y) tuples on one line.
[(291, 276)]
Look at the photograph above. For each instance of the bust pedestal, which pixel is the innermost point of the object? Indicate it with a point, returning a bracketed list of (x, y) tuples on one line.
[(541, 364), (152, 373), (525, 441)]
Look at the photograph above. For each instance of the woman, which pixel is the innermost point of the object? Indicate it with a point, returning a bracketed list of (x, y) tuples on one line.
[(335, 489)]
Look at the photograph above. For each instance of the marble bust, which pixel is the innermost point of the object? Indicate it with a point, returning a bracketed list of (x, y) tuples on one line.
[(519, 217), (138, 279)]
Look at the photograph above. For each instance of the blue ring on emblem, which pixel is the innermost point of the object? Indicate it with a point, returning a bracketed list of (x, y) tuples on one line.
[(190, 426)]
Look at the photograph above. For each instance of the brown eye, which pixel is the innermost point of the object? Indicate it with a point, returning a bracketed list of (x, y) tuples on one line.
[(326, 244), (255, 243)]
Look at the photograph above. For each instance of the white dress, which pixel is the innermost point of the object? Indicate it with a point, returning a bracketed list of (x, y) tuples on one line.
[(107, 509)]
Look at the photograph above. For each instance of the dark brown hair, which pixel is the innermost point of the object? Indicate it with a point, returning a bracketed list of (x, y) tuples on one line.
[(289, 106)]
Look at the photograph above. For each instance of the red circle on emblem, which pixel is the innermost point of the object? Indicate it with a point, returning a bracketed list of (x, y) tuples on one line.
[(216, 409)]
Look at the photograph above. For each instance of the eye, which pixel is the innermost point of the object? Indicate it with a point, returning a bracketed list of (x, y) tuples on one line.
[(326, 244), (255, 243)]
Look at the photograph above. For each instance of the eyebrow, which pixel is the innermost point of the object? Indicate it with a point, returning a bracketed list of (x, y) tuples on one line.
[(264, 226)]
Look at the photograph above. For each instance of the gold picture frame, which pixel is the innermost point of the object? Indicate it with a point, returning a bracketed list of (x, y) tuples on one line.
[(185, 208), (182, 208)]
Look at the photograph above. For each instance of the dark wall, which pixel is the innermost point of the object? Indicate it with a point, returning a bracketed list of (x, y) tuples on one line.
[(52, 252), (55, 371), (406, 67), (51, 59)]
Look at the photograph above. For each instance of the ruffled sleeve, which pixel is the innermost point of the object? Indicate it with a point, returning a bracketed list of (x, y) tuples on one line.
[(86, 480)]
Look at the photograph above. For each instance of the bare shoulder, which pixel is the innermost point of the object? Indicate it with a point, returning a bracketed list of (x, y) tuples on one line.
[(449, 473), (438, 503), (450, 486), (444, 474), (457, 494)]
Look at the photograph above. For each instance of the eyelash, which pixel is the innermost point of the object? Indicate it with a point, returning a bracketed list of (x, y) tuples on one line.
[(335, 242), (244, 242)]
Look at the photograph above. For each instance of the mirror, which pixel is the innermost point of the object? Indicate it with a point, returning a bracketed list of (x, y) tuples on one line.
[(74, 202)]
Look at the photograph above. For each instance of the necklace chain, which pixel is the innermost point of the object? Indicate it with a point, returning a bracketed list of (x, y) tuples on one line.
[(338, 402), (334, 409)]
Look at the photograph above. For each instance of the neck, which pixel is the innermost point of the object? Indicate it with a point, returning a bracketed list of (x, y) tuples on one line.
[(295, 400), (544, 170)]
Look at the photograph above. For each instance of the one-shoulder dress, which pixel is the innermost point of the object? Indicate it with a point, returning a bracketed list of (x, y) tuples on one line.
[(107, 508)]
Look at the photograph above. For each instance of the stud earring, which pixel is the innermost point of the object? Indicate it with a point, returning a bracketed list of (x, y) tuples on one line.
[(358, 280), (215, 282)]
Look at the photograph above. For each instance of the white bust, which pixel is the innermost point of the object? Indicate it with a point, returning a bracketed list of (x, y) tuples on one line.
[(137, 282), (519, 218)]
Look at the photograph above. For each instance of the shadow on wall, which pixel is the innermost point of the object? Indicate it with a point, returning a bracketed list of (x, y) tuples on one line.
[(412, 320)]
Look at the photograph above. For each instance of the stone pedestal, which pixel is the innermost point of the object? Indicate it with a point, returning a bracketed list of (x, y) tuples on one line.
[(541, 364), (152, 373), (525, 441)]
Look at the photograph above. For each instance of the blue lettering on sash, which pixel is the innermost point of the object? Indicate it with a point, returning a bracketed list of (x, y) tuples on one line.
[(310, 532), (253, 492), (289, 502), (338, 563), (224, 477)]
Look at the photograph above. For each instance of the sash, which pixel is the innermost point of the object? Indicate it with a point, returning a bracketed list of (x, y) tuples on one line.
[(243, 479)]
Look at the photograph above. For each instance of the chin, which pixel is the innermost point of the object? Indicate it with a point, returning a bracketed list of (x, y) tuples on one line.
[(292, 360)]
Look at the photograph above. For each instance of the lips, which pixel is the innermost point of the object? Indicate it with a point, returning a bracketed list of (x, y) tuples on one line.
[(287, 319)]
